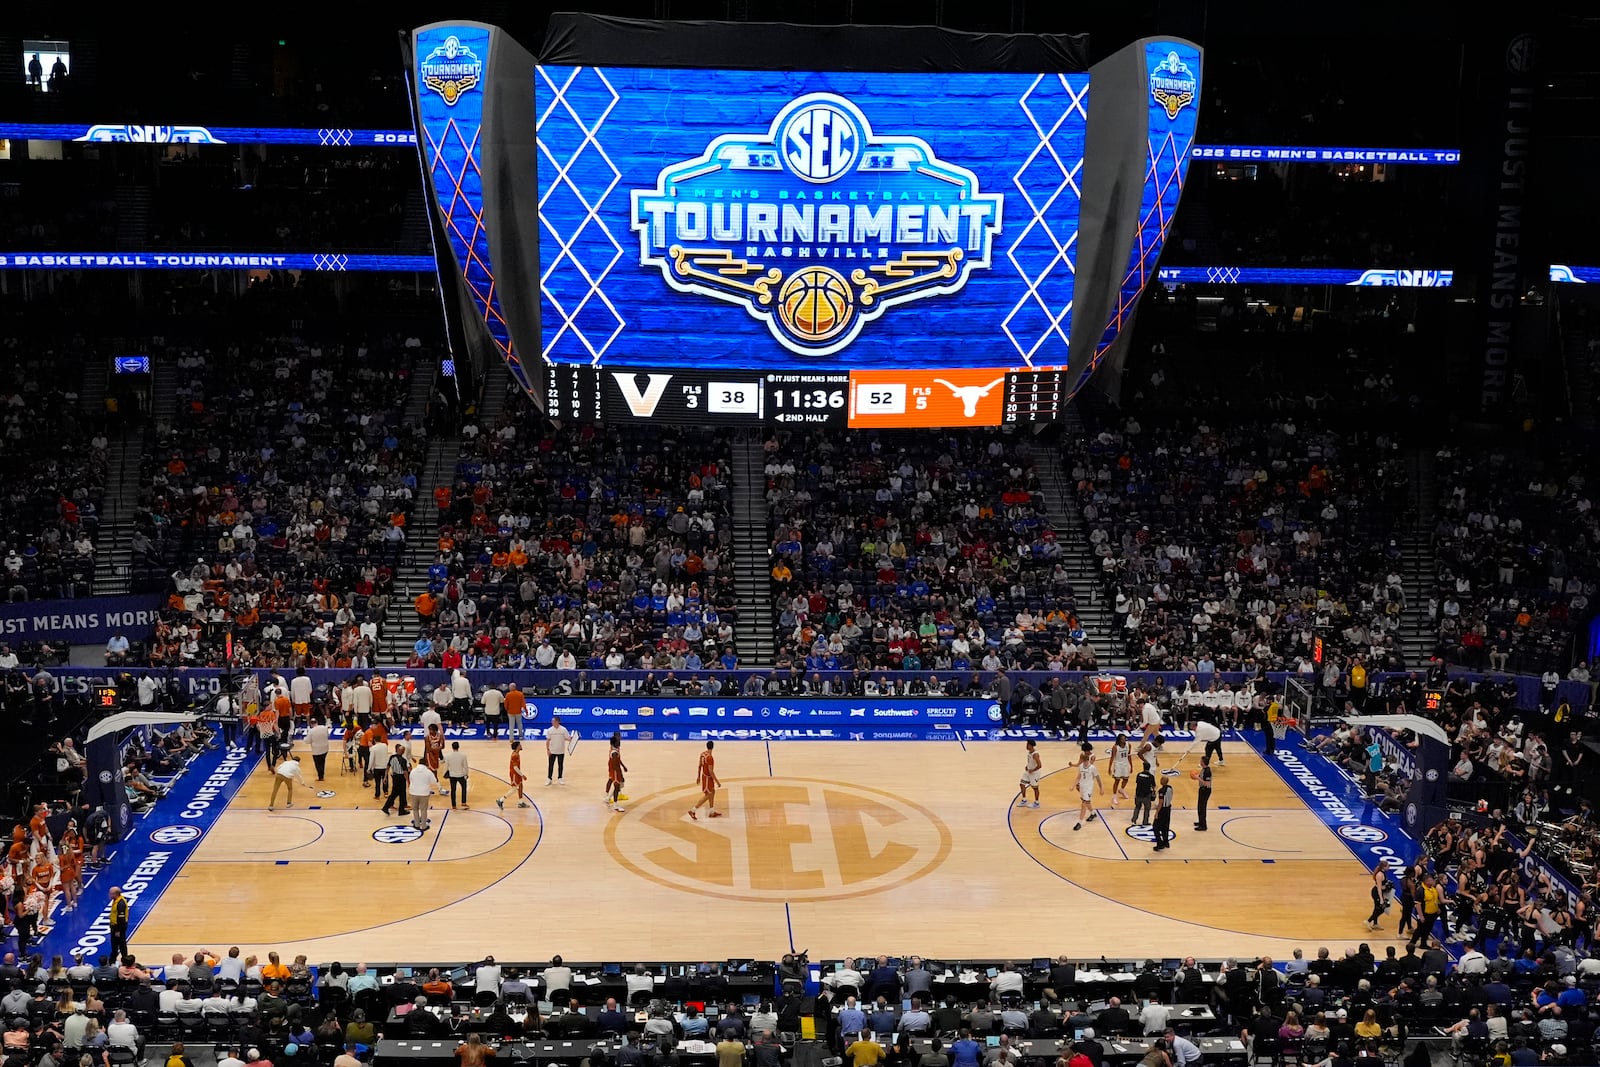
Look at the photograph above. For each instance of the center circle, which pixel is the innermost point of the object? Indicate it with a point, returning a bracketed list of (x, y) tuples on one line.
[(783, 839)]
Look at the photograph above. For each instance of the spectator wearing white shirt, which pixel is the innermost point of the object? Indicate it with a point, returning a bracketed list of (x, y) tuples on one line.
[(556, 977), (846, 977), (460, 696), (488, 976), (231, 967), (319, 738), (121, 1032), (285, 775), (116, 650), (456, 770), (1153, 1017), (640, 981), (300, 694), (421, 785), (1008, 981)]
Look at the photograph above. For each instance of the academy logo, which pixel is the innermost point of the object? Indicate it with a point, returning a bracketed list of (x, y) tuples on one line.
[(818, 226), (1172, 85), (450, 70), (175, 835)]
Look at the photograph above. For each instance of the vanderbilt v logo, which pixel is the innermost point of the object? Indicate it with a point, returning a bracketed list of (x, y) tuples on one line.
[(643, 405)]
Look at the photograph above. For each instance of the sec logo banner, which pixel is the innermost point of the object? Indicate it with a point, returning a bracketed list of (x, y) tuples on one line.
[(396, 835), (1363, 835), (748, 219), (175, 835)]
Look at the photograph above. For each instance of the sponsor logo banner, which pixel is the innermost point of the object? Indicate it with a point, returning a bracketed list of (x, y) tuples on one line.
[(85, 621)]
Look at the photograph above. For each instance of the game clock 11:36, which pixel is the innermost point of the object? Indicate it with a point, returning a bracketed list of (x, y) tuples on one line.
[(811, 399)]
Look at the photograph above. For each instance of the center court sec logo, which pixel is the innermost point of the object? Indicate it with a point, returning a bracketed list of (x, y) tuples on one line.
[(817, 226), (785, 839), (1146, 834), (175, 835)]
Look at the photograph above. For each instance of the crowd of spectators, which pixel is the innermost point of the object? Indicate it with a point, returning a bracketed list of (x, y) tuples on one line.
[(300, 199), (279, 495), (1299, 215), (1233, 547), (581, 546), (1238, 355), (916, 551), (54, 466), (45, 205), (1516, 545)]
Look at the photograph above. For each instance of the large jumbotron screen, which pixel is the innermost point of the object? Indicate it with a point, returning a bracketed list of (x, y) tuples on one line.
[(957, 242), (783, 219)]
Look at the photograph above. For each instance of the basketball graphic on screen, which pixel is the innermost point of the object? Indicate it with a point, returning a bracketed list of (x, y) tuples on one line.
[(815, 304)]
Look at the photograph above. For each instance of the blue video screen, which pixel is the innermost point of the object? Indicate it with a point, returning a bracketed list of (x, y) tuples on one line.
[(775, 219)]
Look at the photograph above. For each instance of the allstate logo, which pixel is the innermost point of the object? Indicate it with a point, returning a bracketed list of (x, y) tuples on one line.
[(1147, 834), (748, 221), (1172, 85), (175, 835), (1363, 835), (450, 70), (396, 835)]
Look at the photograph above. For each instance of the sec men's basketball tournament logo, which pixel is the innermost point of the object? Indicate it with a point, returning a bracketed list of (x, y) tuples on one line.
[(818, 226), (450, 70), (784, 839), (1172, 85)]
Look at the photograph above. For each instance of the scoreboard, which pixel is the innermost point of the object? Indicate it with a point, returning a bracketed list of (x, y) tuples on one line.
[(748, 224), (857, 399)]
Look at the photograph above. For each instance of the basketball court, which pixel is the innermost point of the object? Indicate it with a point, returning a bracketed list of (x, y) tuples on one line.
[(838, 847)]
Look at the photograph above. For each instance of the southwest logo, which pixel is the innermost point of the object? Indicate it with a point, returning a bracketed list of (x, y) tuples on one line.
[(817, 226)]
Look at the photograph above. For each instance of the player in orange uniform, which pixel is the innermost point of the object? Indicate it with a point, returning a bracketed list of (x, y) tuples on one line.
[(517, 778), (706, 776), (433, 752), (615, 769), (71, 852)]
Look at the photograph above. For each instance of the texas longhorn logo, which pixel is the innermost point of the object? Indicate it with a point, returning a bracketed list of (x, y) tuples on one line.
[(817, 226), (451, 69)]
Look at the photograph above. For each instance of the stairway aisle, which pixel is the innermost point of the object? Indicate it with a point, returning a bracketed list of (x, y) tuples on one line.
[(400, 628), (1419, 574), (1062, 512), (113, 561), (754, 637)]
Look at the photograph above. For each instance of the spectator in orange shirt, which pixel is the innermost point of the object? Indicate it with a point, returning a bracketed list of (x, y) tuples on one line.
[(437, 985), (274, 970), (425, 604)]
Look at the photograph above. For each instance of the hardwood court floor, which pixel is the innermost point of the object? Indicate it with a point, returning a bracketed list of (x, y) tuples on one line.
[(843, 847)]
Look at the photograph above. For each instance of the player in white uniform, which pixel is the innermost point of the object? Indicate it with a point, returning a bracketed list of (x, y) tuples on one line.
[(1030, 777), (1121, 768), (1088, 784)]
